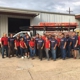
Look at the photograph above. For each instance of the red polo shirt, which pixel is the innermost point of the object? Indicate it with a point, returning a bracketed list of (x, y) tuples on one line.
[(78, 40), (32, 43), (58, 41), (17, 42), (4, 41), (44, 38), (47, 43), (22, 43)]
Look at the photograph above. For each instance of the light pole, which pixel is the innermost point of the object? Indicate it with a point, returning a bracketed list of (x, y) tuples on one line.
[(69, 17)]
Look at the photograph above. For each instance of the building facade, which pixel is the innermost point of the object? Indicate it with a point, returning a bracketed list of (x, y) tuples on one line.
[(34, 17)]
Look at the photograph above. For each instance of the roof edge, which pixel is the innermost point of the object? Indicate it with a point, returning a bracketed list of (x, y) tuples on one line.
[(19, 9)]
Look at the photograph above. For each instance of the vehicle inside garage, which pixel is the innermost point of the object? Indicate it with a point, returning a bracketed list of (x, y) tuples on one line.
[(18, 24)]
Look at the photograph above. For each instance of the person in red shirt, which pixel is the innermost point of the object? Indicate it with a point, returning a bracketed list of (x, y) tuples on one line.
[(44, 37), (79, 45), (32, 48), (17, 46), (22, 47), (47, 47), (4, 45)]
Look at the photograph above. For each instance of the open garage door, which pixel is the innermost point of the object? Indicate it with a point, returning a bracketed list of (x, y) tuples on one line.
[(18, 24)]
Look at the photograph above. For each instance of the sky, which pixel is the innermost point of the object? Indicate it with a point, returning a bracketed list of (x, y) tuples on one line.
[(61, 6)]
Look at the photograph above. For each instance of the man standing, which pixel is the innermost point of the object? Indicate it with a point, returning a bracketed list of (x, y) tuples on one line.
[(79, 45), (74, 43), (68, 46), (27, 40), (36, 40), (40, 46), (11, 45), (4, 45), (50, 38), (63, 46), (53, 47)]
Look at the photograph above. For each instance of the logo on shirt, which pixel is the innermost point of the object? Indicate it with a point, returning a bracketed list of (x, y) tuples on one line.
[(52, 41), (39, 41), (28, 40), (73, 38), (62, 40)]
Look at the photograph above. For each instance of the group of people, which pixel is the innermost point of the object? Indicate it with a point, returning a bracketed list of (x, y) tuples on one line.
[(48, 46)]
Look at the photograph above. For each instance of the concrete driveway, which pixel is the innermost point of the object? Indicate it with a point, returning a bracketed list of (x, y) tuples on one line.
[(28, 69)]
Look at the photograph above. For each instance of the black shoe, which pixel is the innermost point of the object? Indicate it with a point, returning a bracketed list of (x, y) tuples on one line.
[(3, 57), (33, 58), (63, 58), (9, 57), (40, 59), (54, 59), (74, 57)]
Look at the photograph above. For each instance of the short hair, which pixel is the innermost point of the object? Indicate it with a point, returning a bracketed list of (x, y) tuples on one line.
[(63, 34), (53, 36)]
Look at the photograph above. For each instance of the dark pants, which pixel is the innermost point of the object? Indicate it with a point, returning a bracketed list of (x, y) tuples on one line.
[(44, 53), (40, 51), (50, 54), (18, 51), (36, 51), (22, 51), (11, 50), (58, 52), (68, 51), (4, 48), (79, 49), (63, 52)]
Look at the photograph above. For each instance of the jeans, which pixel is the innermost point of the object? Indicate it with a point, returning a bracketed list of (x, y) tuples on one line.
[(68, 49), (53, 51), (22, 51), (47, 53), (18, 51), (63, 52), (3, 49), (32, 52)]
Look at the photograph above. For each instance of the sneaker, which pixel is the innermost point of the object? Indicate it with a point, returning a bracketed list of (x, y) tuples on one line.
[(54, 59), (74, 57), (63, 58), (33, 58), (25, 56), (22, 57), (28, 56)]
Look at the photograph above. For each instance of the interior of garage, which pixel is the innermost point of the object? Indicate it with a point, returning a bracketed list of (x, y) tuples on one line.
[(18, 24)]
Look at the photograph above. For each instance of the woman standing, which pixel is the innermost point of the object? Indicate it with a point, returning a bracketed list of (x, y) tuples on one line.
[(17, 46), (47, 47), (22, 48), (32, 48)]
